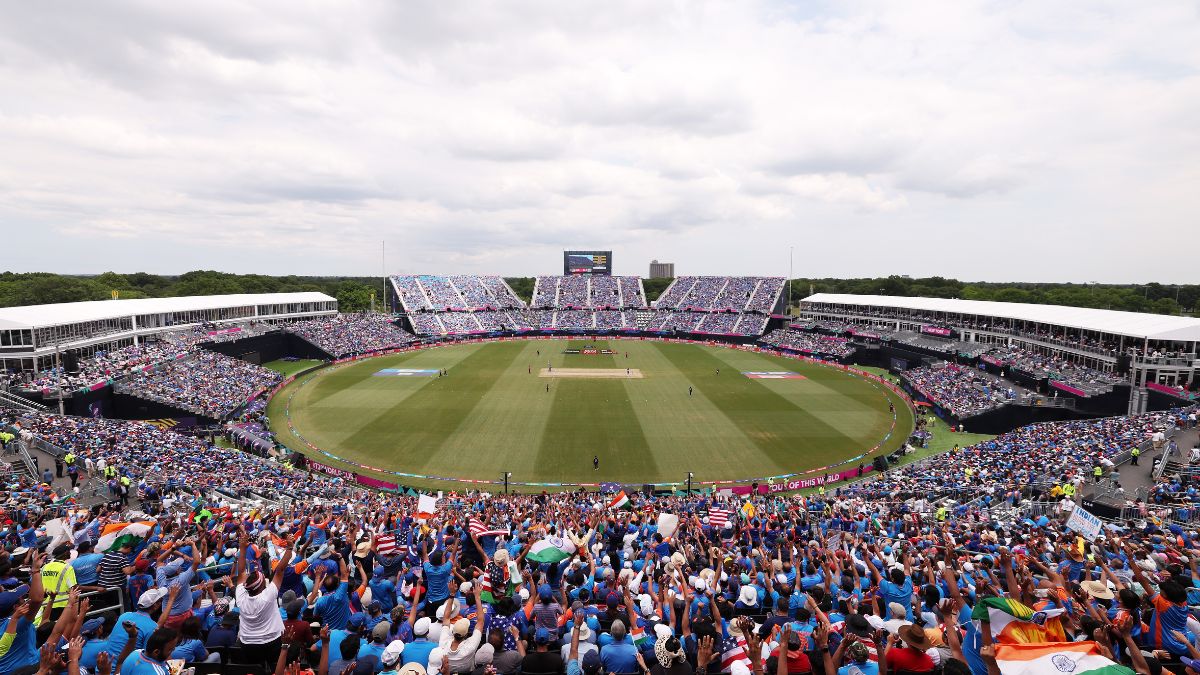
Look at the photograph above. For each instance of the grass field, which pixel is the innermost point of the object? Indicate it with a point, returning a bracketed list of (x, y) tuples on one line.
[(492, 413), (290, 366)]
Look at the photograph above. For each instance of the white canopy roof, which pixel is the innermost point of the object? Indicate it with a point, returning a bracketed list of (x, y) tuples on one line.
[(37, 316), (1132, 324)]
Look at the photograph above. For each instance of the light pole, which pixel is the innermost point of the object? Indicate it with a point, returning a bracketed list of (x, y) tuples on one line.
[(506, 475), (689, 482)]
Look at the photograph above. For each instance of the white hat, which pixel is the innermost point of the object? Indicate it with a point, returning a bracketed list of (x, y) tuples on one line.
[(585, 633), (524, 594), (465, 587), (421, 627), (435, 660), (662, 630), (748, 596), (391, 653), (151, 597)]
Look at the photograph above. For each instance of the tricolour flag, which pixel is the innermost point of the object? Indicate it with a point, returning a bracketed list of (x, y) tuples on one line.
[(1077, 658), (116, 535), (620, 501), (719, 518), (551, 550), (478, 529), (1013, 622)]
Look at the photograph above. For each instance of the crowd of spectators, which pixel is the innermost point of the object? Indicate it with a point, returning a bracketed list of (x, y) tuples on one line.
[(1045, 366), (206, 383), (348, 334), (808, 343), (343, 580), (432, 292), (737, 294), (962, 391), (582, 291)]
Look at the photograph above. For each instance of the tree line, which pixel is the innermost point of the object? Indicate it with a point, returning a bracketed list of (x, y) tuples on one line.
[(355, 293)]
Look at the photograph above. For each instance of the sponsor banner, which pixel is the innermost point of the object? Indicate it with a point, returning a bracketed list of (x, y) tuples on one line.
[(406, 372), (1068, 388), (224, 331), (937, 330), (773, 375), (331, 471), (993, 361)]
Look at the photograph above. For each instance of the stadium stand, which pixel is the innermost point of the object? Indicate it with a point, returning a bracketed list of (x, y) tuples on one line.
[(808, 343), (205, 383), (347, 334), (961, 390)]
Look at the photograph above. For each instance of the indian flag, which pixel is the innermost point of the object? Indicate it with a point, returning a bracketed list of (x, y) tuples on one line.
[(551, 550), (1013, 622), (620, 501), (1077, 658), (426, 507), (116, 535)]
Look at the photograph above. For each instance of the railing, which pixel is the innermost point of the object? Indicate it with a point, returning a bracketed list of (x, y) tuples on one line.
[(14, 401)]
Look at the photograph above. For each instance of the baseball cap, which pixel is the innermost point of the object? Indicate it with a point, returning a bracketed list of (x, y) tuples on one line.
[(9, 599), (541, 636), (391, 653), (91, 626), (421, 627), (357, 621), (151, 598), (462, 627)]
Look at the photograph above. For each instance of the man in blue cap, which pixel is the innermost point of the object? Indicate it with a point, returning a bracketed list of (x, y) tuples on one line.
[(95, 642)]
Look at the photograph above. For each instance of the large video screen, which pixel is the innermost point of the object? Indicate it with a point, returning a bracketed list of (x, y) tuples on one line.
[(587, 262)]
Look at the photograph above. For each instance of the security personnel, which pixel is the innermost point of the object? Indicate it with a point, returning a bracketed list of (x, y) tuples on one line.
[(69, 458), (1134, 454), (1068, 490), (110, 471), (941, 513), (1098, 473), (58, 578)]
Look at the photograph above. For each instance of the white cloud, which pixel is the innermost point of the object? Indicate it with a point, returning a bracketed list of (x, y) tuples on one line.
[(487, 136)]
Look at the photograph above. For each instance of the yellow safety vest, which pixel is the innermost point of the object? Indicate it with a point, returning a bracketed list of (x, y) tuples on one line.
[(1069, 490), (69, 458), (50, 581), (941, 514), (1098, 471)]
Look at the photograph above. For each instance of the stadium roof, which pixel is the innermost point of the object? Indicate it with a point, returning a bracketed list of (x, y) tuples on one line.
[(36, 316), (1133, 324)]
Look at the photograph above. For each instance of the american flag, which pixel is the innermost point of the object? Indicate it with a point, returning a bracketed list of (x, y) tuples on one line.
[(386, 545), (719, 518), (733, 650), (478, 529)]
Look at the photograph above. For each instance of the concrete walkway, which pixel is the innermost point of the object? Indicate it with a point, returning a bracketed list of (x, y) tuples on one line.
[(1140, 476)]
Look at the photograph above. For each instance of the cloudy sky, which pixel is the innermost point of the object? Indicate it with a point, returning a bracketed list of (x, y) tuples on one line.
[(991, 141)]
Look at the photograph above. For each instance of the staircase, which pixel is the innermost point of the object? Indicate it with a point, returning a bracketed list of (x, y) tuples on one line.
[(9, 400)]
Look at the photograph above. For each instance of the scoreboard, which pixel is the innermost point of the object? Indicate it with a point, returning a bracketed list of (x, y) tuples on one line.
[(587, 262)]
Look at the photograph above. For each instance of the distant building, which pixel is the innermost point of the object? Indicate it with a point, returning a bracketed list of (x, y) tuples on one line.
[(662, 270)]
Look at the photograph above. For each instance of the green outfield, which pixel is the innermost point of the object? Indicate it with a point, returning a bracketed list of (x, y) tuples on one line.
[(492, 413)]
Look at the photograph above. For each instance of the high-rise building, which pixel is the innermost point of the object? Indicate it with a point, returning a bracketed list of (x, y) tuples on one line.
[(662, 270)]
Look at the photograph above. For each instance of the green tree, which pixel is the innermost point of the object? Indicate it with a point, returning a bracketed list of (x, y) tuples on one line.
[(655, 287), (353, 297), (522, 286)]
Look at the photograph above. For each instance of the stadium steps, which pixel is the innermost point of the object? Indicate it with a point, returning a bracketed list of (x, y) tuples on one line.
[(9, 400)]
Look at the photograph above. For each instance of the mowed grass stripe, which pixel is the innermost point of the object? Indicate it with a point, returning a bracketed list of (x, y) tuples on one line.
[(412, 431), (688, 433), (592, 417), (843, 401), (504, 425), (787, 433), (335, 406)]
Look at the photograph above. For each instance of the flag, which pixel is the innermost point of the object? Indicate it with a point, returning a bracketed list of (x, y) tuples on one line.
[(1013, 622), (638, 634), (116, 535), (386, 544), (733, 651), (478, 529), (551, 550), (426, 507), (485, 588), (1078, 658), (719, 518), (620, 501)]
